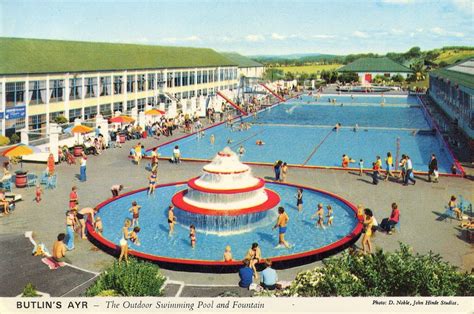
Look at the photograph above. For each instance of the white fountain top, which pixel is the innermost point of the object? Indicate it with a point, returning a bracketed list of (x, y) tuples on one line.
[(226, 162)]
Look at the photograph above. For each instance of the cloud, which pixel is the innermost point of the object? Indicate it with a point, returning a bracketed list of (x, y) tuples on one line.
[(192, 38), (360, 34), (398, 1), (277, 36), (170, 39), (395, 31), (464, 5), (442, 32), (254, 38), (323, 36)]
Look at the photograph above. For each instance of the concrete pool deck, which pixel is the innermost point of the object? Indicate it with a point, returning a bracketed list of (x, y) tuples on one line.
[(421, 207)]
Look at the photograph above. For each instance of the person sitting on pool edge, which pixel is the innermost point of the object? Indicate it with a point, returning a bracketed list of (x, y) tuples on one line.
[(254, 255), (245, 274), (337, 127)]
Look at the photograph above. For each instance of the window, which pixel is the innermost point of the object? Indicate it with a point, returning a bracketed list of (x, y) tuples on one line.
[(56, 90), (37, 92), (118, 106), (14, 93), (105, 85), (90, 112), (199, 77), (216, 76), (204, 92), (210, 76), (151, 81), (192, 75), (141, 82), (141, 104), (105, 110), (185, 78), (74, 113), (75, 88), (185, 95), (151, 101), (222, 74), (36, 122), (177, 79), (118, 85), (204, 76), (160, 79), (169, 79), (130, 83), (130, 104), (90, 85), (177, 95), (192, 94), (199, 92)]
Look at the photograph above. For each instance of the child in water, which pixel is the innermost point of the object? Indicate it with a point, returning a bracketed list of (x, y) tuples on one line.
[(134, 235), (135, 210), (228, 254), (192, 235), (319, 213), (299, 199), (330, 215)]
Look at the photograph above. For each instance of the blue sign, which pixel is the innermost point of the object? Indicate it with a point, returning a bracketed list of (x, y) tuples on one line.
[(15, 112)]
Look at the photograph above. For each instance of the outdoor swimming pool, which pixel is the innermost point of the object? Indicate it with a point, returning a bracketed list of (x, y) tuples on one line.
[(302, 233), (300, 133)]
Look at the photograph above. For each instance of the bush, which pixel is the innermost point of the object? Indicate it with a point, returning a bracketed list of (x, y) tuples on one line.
[(133, 279), (4, 140), (14, 138), (60, 119), (400, 273), (29, 291)]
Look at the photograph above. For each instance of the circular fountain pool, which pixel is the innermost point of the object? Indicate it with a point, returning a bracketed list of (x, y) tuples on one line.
[(309, 243)]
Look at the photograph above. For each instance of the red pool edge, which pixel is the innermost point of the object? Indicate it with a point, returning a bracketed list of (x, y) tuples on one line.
[(192, 184), (205, 266)]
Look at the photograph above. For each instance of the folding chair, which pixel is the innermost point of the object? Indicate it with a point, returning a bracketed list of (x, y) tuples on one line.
[(32, 178), (52, 182)]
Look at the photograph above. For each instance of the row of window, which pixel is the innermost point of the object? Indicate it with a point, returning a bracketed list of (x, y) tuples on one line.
[(37, 93)]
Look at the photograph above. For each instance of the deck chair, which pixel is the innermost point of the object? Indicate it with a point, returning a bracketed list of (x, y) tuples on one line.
[(7, 185), (32, 178), (44, 178), (52, 182)]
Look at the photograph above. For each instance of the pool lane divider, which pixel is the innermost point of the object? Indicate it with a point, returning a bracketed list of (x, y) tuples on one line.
[(316, 148), (209, 266), (247, 138)]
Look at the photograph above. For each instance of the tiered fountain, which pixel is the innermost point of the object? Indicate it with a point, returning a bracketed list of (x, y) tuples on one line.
[(225, 198)]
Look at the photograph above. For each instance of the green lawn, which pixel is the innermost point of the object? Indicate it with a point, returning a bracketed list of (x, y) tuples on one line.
[(309, 68), (451, 56)]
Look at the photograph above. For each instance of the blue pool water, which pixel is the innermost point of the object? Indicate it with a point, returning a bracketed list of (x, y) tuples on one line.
[(302, 233), (301, 134), (356, 99)]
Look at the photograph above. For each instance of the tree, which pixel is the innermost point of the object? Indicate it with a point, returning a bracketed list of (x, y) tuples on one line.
[(348, 77), (398, 78), (419, 70), (414, 52)]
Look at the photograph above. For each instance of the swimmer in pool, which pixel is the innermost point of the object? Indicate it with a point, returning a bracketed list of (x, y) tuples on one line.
[(259, 142)]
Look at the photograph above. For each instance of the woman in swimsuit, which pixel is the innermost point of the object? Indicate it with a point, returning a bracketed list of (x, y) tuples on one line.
[(152, 182), (454, 207), (124, 241), (368, 223)]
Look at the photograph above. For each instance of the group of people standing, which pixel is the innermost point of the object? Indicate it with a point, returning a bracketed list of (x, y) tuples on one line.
[(281, 171)]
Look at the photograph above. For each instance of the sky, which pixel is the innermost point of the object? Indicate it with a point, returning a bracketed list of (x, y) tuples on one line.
[(249, 27)]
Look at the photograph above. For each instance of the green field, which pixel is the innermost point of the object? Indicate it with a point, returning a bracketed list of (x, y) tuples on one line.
[(451, 56), (309, 68)]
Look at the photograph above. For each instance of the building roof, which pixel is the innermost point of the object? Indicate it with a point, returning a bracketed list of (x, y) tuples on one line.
[(461, 73), (382, 64), (22, 55), (242, 61)]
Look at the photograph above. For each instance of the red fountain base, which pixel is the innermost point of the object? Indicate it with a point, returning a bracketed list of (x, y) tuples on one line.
[(271, 202)]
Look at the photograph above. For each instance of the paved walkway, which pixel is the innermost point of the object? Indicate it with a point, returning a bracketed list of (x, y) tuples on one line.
[(421, 207)]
